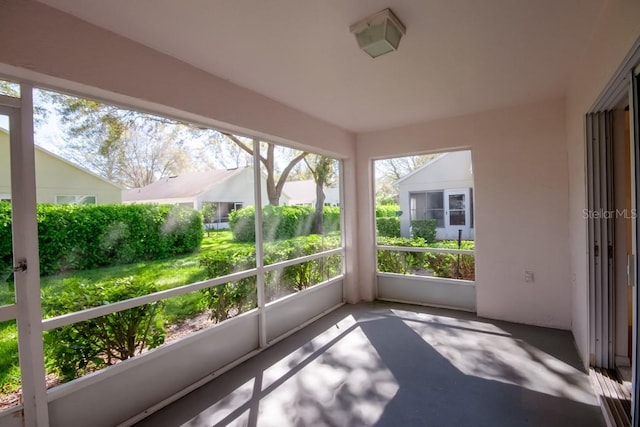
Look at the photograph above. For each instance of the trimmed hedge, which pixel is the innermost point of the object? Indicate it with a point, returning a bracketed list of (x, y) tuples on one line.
[(388, 227), (281, 222), (387, 211), (80, 237), (388, 221)]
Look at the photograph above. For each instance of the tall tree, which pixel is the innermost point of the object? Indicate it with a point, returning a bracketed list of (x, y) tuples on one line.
[(150, 154), (323, 171), (275, 181), (126, 147), (219, 152), (388, 171)]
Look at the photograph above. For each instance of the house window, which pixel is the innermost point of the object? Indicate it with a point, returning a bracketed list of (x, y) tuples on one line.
[(435, 207), (418, 206), (471, 205), (76, 200), (428, 205), (5, 197)]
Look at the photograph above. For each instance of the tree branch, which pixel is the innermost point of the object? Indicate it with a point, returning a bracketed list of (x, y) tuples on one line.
[(243, 146)]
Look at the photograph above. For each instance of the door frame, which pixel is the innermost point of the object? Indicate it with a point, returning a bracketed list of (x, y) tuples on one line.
[(25, 256), (451, 231), (623, 85)]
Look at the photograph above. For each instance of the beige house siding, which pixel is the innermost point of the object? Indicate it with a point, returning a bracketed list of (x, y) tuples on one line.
[(57, 177)]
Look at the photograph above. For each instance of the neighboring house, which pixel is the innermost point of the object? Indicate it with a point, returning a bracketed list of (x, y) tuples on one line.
[(225, 190), (442, 189), (58, 180), (304, 193)]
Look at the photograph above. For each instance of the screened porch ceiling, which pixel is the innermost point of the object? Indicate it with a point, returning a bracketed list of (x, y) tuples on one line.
[(456, 58)]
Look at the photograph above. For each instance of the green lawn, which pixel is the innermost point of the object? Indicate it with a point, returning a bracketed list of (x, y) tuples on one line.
[(168, 273), (9, 364), (165, 274)]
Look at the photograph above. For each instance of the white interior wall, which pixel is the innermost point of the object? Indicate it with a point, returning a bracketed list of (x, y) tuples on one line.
[(521, 188), (613, 37)]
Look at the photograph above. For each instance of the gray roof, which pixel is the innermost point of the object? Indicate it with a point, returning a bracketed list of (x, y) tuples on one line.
[(180, 186)]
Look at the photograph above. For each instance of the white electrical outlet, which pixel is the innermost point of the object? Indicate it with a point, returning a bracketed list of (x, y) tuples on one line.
[(528, 276)]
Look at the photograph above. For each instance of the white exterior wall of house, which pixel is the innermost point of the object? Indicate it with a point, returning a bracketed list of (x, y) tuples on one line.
[(451, 171), (237, 188), (57, 177), (303, 193)]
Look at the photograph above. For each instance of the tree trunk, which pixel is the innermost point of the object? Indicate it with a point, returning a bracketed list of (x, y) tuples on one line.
[(318, 219)]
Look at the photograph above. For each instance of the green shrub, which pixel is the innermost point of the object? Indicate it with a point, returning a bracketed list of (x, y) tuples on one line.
[(400, 261), (330, 219), (86, 346), (388, 227), (229, 299), (6, 250), (80, 237), (425, 229), (297, 277), (243, 224), (441, 265), (281, 222), (387, 211)]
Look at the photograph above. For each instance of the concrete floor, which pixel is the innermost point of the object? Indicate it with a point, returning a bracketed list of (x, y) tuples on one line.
[(385, 364)]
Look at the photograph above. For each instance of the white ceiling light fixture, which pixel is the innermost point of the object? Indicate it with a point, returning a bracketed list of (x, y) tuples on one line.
[(379, 33)]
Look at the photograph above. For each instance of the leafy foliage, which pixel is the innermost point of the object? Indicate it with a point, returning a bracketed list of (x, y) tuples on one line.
[(83, 347), (441, 265), (128, 147), (276, 176), (6, 249), (387, 211), (229, 299), (9, 360), (281, 222), (298, 277), (324, 172), (388, 227), (424, 229), (387, 220), (79, 237)]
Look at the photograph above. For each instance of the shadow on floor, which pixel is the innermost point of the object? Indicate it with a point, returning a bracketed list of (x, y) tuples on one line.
[(398, 365)]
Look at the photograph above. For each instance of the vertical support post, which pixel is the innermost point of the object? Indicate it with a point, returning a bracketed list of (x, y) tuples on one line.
[(634, 122), (25, 248), (257, 188), (343, 243)]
